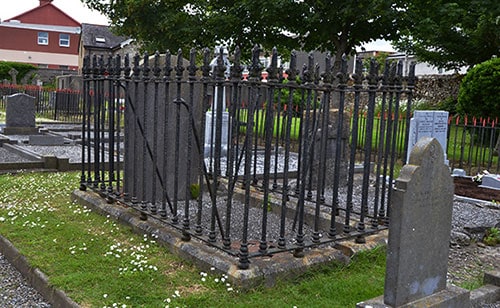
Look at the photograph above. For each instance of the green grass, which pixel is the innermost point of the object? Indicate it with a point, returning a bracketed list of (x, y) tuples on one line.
[(475, 155), (473, 152), (279, 124), (477, 282), (90, 258)]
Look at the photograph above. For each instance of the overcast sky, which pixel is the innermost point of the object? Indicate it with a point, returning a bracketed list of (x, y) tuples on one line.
[(74, 8), (79, 12)]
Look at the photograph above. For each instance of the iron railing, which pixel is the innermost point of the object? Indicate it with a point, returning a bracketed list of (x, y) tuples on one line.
[(58, 105), (473, 143), (249, 166)]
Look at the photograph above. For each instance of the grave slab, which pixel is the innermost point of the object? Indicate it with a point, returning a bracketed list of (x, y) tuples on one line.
[(46, 140), (491, 181), (459, 172)]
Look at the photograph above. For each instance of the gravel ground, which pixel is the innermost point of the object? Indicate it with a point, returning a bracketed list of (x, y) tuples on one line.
[(72, 152), (15, 291), (469, 257)]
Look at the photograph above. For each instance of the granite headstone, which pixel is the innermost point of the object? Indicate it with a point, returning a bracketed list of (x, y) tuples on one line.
[(20, 115), (419, 234)]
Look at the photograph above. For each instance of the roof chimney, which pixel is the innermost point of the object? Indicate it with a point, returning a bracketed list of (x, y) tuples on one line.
[(43, 2)]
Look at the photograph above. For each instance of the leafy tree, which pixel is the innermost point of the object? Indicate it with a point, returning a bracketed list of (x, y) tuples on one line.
[(451, 33), (338, 26), (161, 25)]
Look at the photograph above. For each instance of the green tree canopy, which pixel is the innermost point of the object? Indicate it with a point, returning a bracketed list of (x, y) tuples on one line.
[(337, 26), (451, 33)]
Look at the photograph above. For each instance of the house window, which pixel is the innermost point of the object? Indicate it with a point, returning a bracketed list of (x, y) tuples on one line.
[(64, 40), (43, 38)]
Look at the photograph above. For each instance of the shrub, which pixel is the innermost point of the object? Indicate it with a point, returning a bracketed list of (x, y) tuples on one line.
[(22, 69), (449, 104), (296, 97), (478, 94)]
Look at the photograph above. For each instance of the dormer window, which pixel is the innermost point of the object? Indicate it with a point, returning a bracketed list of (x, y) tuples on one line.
[(43, 38), (100, 39)]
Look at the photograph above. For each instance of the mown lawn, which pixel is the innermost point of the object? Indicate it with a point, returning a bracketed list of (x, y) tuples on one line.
[(99, 262)]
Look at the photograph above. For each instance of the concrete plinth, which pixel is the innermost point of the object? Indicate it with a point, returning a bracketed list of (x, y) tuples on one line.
[(451, 297)]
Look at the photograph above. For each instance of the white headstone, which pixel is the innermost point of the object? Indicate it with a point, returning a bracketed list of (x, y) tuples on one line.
[(428, 123), (459, 172), (211, 115), (210, 131)]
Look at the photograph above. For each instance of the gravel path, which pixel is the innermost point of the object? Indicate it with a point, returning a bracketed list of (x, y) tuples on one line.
[(15, 291)]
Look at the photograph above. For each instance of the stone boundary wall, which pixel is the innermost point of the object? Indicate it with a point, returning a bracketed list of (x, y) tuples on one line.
[(435, 89)]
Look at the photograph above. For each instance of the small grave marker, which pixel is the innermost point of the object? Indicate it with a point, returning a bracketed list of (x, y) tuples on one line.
[(459, 172)]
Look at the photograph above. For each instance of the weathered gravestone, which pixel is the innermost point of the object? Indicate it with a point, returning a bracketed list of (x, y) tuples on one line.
[(13, 75), (419, 234), (20, 115), (428, 124)]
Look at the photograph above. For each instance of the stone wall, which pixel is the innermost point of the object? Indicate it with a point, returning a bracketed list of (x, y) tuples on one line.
[(435, 89)]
